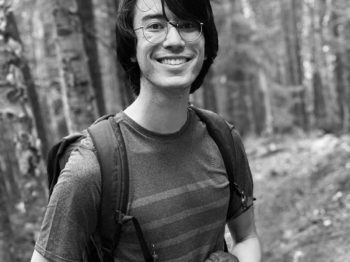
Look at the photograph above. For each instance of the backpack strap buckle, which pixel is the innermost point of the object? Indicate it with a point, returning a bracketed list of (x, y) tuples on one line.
[(119, 217), (244, 200)]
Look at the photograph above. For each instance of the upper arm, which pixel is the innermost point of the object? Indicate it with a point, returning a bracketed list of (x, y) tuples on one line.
[(247, 245), (71, 215), (243, 226), (243, 179), (37, 257)]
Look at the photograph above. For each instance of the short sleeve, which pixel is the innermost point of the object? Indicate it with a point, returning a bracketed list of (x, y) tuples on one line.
[(243, 179), (71, 214)]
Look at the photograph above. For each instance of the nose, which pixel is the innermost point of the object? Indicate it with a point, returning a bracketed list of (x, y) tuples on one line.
[(173, 38)]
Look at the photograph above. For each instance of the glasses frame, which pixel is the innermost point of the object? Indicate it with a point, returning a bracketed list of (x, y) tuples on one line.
[(176, 26)]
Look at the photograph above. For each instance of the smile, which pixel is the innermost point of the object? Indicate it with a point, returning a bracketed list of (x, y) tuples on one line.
[(173, 61)]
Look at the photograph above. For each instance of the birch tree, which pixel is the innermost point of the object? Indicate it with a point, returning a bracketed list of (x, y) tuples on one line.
[(20, 154), (6, 234), (78, 95)]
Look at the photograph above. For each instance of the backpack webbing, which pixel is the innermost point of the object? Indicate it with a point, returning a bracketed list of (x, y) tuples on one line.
[(57, 156), (115, 187), (220, 131)]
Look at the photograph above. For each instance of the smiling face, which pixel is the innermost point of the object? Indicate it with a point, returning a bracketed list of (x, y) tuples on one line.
[(172, 63)]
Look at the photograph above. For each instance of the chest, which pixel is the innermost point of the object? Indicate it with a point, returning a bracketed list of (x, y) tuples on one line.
[(179, 193)]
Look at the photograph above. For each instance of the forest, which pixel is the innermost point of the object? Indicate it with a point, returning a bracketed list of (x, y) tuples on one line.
[(282, 77)]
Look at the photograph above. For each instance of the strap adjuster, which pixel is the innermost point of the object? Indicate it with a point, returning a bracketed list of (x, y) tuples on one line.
[(119, 216)]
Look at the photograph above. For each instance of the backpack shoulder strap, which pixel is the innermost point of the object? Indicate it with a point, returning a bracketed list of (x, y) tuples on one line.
[(58, 156), (111, 154), (220, 131), (59, 153)]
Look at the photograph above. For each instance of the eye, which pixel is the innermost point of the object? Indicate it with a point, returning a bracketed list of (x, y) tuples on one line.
[(188, 25), (155, 26)]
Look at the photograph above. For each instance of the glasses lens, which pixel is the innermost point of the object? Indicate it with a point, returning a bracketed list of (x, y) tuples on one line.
[(155, 32), (189, 30)]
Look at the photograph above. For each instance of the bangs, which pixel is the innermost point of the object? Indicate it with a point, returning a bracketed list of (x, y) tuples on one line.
[(188, 9)]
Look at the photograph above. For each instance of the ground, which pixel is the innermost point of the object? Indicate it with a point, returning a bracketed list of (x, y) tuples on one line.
[(302, 209), (302, 188)]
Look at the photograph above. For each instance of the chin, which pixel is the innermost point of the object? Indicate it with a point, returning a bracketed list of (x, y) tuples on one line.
[(176, 83)]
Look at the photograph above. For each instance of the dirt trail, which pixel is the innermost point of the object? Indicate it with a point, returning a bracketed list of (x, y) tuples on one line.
[(303, 191)]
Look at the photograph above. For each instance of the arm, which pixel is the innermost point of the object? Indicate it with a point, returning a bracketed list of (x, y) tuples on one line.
[(243, 231), (242, 226), (247, 245), (72, 212)]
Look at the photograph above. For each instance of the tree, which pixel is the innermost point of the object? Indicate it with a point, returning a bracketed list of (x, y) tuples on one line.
[(290, 17), (117, 94), (20, 155), (37, 31), (240, 68), (87, 17), (78, 95), (316, 42), (6, 234), (15, 111)]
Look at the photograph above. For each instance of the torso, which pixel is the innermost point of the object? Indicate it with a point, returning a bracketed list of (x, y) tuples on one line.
[(179, 192)]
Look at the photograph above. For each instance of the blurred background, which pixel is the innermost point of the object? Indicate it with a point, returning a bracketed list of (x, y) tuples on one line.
[(282, 77)]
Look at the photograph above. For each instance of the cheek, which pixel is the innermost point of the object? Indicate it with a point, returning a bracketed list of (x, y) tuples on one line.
[(201, 56), (141, 58)]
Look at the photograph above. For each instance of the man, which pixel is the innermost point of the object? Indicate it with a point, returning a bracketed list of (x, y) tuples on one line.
[(178, 184)]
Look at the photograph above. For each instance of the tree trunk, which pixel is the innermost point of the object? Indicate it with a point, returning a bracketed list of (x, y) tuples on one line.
[(320, 110), (77, 91), (267, 109), (117, 94), (319, 100), (237, 104), (21, 63), (87, 18), (341, 70), (46, 70), (16, 115), (9, 164), (6, 234), (290, 18), (347, 76)]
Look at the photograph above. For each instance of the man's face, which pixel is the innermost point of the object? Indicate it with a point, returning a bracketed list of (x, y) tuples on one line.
[(173, 63)]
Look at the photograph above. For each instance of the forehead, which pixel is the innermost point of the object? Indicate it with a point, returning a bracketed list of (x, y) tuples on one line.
[(145, 9)]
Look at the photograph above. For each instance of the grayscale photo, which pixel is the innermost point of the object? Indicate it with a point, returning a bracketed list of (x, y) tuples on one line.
[(174, 131)]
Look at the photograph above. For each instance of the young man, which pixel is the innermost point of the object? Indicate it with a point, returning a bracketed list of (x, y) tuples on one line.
[(179, 189)]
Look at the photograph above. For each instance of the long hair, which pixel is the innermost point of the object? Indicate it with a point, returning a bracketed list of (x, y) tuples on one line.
[(184, 9)]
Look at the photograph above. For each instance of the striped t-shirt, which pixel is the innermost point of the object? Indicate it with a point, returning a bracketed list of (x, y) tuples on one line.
[(179, 193)]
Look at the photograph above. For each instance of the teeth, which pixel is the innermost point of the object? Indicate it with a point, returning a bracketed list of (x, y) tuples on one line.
[(173, 61)]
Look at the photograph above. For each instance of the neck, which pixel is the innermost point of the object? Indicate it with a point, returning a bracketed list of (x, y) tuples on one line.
[(160, 111)]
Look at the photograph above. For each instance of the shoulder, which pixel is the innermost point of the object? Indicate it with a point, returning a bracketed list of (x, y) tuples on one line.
[(216, 119), (86, 142), (82, 168)]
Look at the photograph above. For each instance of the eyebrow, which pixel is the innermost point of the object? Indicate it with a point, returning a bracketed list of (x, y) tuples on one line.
[(152, 16)]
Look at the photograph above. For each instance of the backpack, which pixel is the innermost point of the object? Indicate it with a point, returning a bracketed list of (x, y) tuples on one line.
[(114, 196)]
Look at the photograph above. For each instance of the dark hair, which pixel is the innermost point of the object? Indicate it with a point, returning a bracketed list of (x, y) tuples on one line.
[(184, 9)]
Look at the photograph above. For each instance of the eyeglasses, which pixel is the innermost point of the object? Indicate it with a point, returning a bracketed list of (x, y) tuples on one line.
[(155, 32)]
